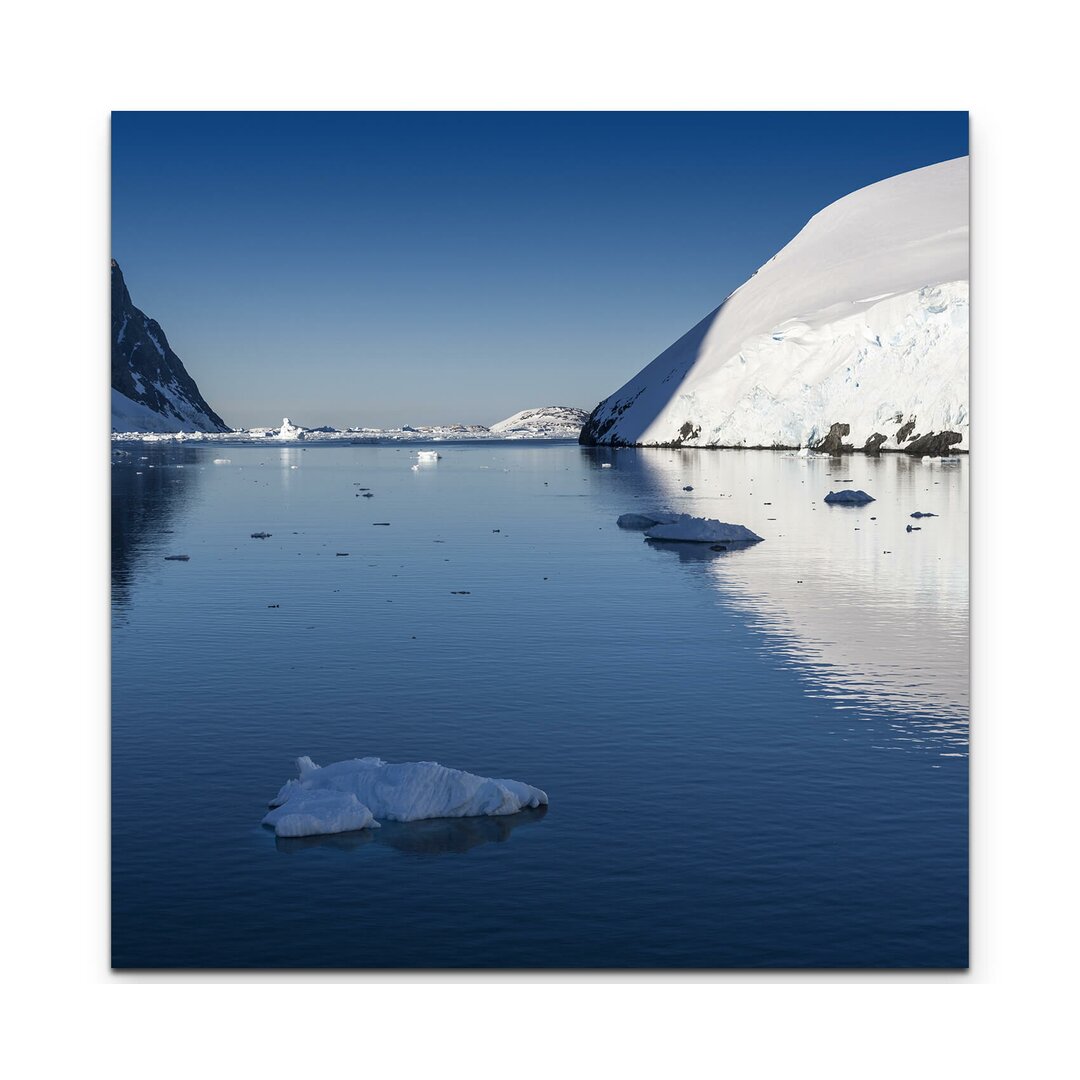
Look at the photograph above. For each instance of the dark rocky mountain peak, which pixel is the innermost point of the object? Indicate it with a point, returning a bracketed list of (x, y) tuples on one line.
[(152, 391)]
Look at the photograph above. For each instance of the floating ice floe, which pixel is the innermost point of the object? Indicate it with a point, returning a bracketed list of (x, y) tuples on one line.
[(222, 461), (349, 795), (428, 455), (318, 812), (687, 529), (849, 498), (605, 465), (646, 520)]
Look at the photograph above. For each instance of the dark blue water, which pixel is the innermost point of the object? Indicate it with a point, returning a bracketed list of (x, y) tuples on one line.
[(754, 759)]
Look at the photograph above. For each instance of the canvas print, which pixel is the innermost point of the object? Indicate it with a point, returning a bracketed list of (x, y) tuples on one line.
[(539, 540)]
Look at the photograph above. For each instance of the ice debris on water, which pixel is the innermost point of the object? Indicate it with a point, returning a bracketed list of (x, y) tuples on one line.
[(351, 795), (261, 536), (922, 514), (646, 520), (222, 461), (689, 529), (849, 498)]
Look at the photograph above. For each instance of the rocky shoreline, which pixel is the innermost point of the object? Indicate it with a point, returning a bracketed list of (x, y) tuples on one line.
[(933, 443)]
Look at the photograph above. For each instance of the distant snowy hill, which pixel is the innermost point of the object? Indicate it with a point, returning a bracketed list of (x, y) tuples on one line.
[(549, 422), (854, 335), (151, 391)]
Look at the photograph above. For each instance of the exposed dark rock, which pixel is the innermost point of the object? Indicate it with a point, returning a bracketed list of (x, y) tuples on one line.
[(922, 514), (934, 444), (594, 429), (873, 444), (833, 442), (144, 366), (905, 432), (686, 432)]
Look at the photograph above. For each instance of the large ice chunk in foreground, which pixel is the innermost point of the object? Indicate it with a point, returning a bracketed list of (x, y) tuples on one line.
[(702, 530), (318, 812), (327, 799)]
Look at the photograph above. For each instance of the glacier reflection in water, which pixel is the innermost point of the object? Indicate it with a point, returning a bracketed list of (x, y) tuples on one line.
[(870, 612)]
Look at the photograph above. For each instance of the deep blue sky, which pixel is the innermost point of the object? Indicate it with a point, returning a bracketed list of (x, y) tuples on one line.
[(389, 268)]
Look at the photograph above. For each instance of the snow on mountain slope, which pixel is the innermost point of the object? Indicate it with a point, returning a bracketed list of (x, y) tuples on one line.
[(549, 422), (151, 390), (860, 321)]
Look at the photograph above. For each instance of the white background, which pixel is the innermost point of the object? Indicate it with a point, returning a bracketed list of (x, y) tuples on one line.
[(65, 66)]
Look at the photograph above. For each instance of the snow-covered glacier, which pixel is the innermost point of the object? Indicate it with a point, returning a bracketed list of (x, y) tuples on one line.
[(854, 335), (547, 422), (351, 795)]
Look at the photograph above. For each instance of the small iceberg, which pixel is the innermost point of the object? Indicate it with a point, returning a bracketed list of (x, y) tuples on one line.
[(849, 498), (350, 795), (428, 455), (290, 431), (687, 529), (647, 520)]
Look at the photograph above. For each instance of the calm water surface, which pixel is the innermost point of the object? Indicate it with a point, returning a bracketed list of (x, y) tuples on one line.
[(754, 758)]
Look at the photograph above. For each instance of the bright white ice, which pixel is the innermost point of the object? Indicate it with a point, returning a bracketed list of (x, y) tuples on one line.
[(290, 431), (861, 319), (350, 795)]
